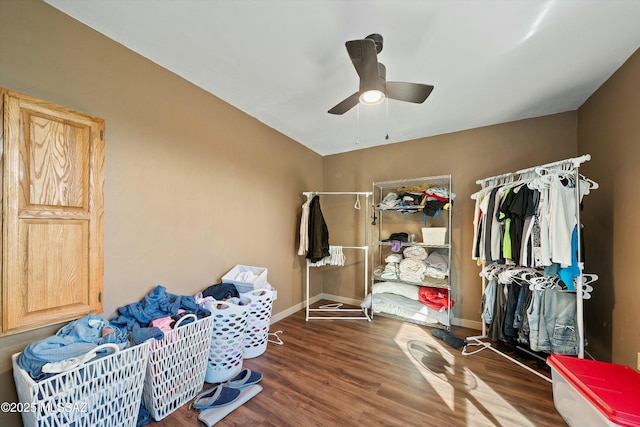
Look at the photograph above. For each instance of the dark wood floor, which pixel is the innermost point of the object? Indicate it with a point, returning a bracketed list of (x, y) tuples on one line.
[(384, 373)]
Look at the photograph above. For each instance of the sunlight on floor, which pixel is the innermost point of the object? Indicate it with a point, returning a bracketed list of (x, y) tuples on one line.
[(461, 387), (413, 340)]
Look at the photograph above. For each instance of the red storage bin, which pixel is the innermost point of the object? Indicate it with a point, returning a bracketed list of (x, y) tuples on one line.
[(592, 393)]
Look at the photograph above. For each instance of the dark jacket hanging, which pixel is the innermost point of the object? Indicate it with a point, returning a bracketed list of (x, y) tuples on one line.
[(318, 232)]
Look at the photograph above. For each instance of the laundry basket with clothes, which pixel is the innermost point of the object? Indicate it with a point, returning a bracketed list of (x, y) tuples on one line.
[(87, 374)]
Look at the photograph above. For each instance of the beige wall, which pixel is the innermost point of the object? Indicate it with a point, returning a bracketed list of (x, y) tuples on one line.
[(467, 156), (193, 185), (609, 129)]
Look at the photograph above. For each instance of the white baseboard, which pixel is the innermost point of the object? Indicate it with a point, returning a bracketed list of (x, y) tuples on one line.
[(465, 323)]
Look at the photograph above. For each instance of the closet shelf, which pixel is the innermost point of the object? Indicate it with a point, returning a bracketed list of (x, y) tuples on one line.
[(403, 209), (444, 285), (424, 245)]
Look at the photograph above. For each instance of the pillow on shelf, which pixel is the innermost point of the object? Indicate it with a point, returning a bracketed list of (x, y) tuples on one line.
[(402, 289)]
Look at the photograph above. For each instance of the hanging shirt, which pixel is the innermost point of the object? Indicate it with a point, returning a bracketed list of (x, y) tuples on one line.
[(562, 205), (304, 228)]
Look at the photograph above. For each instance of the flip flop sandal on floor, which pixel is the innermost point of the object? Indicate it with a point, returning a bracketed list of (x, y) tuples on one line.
[(245, 378), (215, 397)]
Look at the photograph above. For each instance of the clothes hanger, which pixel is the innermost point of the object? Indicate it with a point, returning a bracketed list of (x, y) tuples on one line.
[(277, 339), (589, 182), (357, 204)]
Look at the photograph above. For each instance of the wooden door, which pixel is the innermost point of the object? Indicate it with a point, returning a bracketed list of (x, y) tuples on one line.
[(52, 214)]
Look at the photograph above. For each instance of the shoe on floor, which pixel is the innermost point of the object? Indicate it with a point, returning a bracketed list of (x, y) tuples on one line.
[(245, 378), (214, 397)]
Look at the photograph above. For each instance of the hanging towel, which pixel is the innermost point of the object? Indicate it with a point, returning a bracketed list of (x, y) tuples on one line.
[(336, 257)]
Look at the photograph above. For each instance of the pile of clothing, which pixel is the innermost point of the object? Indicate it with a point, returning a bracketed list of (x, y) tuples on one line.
[(159, 307), (78, 341), (66, 349), (410, 200)]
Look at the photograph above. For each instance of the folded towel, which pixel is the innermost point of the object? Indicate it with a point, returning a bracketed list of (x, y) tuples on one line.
[(411, 270), (438, 260), (416, 252)]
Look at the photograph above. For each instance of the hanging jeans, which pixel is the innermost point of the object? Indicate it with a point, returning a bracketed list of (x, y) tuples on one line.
[(489, 301), (558, 331), (533, 318)]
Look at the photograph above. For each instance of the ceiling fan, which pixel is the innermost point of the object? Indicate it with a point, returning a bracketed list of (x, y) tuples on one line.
[(373, 85)]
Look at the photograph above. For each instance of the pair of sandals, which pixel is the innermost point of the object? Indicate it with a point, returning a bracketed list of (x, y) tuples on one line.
[(226, 393)]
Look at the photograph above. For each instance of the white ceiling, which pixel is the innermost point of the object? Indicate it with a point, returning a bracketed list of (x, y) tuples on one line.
[(284, 61)]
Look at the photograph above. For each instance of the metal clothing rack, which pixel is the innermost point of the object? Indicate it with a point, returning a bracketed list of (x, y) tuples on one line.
[(338, 307), (571, 164)]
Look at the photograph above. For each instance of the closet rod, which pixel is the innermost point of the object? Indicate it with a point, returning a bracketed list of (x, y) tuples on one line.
[(576, 162)]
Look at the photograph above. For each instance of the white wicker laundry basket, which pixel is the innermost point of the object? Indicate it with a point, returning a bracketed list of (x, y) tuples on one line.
[(103, 392), (257, 334), (227, 340), (177, 366)]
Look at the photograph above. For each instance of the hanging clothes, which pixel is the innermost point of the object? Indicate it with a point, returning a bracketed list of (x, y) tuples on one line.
[(304, 228), (318, 233), (336, 257)]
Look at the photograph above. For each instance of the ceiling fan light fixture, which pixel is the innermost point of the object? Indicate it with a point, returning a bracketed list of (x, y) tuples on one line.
[(372, 97)]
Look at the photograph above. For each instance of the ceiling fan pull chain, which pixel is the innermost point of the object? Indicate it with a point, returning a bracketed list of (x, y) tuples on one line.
[(387, 113)]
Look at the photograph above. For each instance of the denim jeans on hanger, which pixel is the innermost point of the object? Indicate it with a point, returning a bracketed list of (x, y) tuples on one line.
[(489, 301), (533, 317), (558, 331)]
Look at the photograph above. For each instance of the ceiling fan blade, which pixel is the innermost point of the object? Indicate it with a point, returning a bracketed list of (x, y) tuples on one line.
[(410, 92), (346, 105), (365, 60)]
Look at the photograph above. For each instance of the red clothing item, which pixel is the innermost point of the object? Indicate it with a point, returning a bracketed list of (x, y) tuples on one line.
[(435, 298)]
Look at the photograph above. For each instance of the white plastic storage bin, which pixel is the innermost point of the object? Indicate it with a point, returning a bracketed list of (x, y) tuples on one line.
[(592, 393), (434, 235), (177, 366), (257, 334), (246, 278), (226, 352), (102, 392)]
